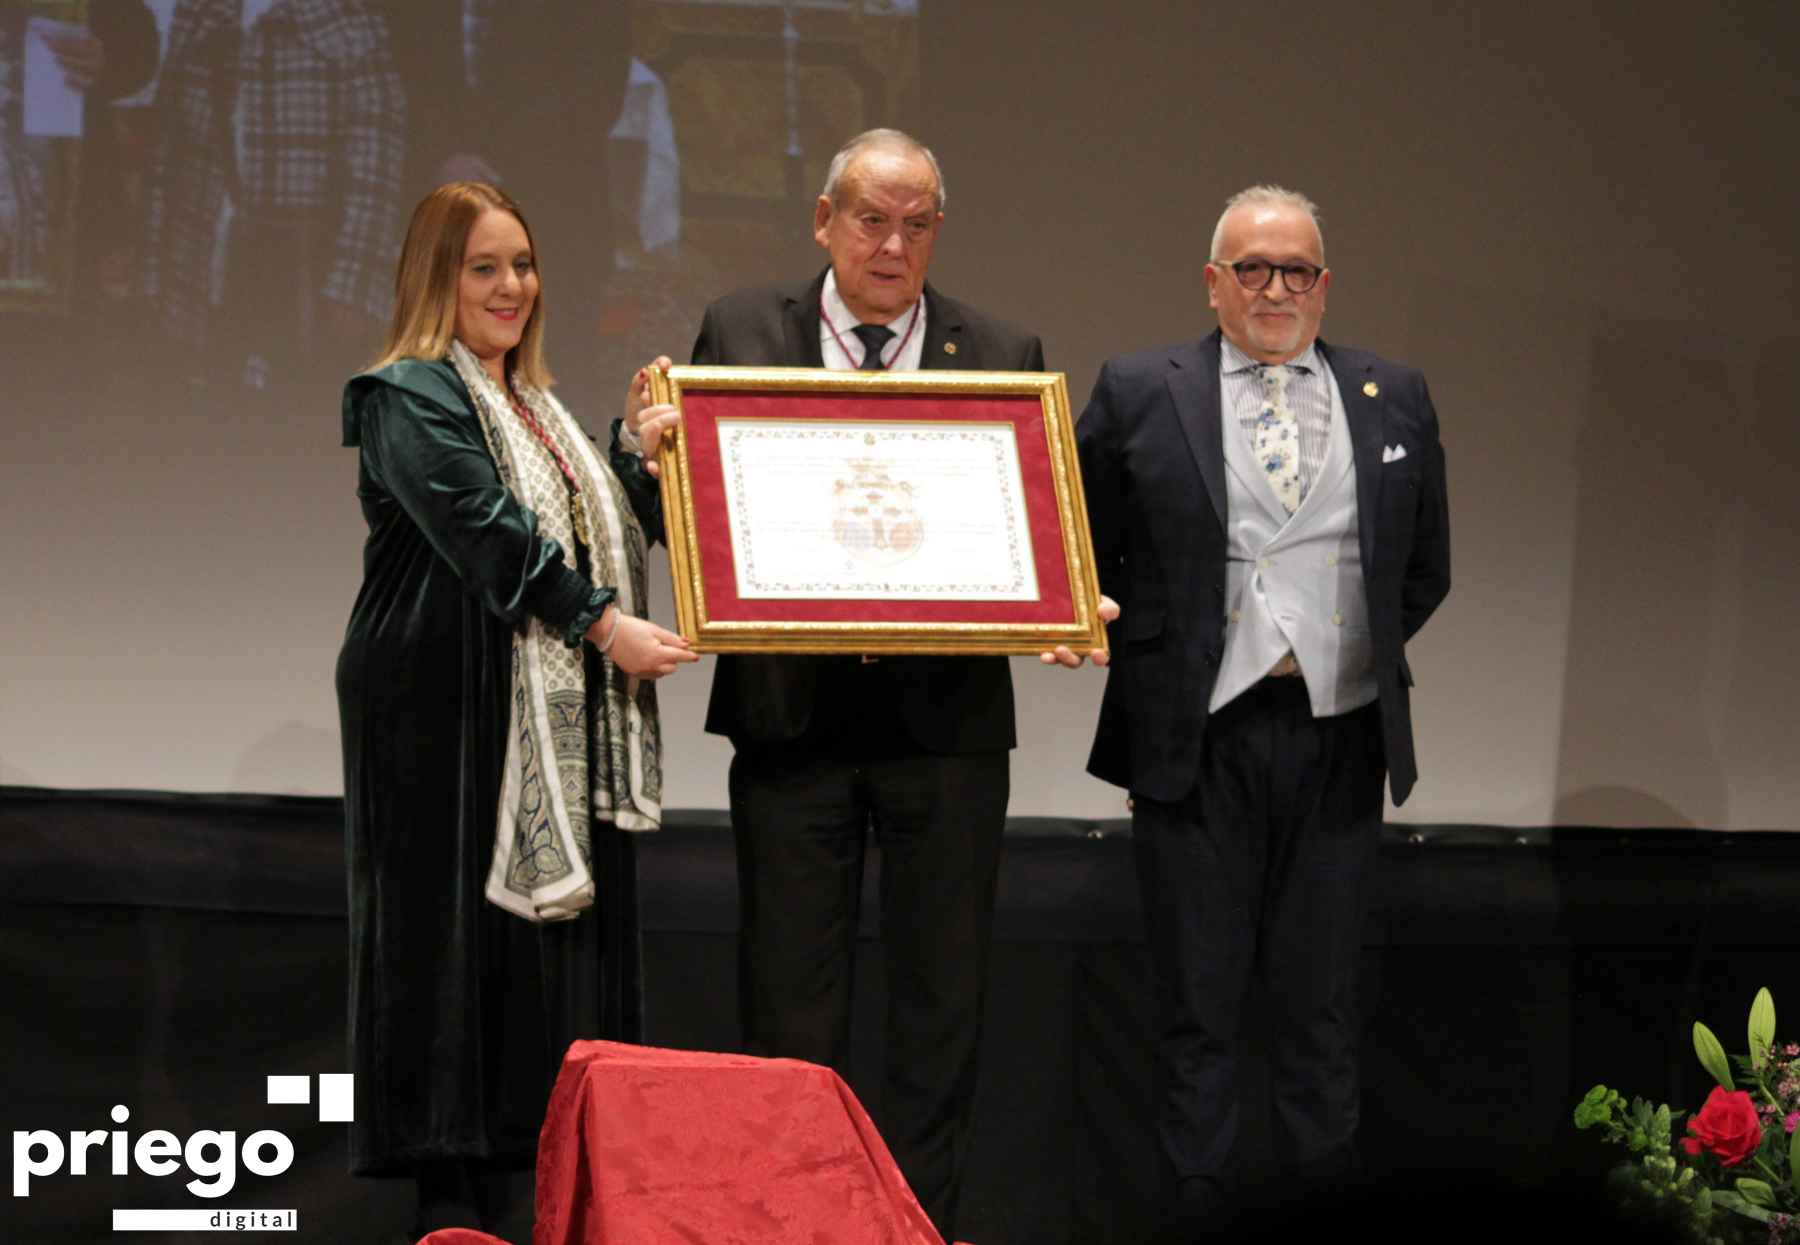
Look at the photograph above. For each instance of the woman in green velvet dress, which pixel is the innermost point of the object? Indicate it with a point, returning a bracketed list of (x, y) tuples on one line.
[(496, 691)]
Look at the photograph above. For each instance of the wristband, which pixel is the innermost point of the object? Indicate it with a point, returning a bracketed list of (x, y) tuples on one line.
[(612, 632)]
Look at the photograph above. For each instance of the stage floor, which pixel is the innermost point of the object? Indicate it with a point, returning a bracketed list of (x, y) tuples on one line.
[(168, 952)]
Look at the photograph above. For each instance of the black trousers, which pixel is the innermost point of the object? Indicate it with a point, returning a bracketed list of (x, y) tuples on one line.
[(802, 817), (1261, 872)]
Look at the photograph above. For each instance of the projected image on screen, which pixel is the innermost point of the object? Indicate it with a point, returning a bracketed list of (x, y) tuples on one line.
[(201, 206), (247, 167), (24, 216), (49, 64)]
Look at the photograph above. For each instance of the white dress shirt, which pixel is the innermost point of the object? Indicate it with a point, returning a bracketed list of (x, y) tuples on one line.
[(843, 349)]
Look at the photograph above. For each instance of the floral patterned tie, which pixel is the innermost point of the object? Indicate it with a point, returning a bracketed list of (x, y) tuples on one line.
[(1277, 437)]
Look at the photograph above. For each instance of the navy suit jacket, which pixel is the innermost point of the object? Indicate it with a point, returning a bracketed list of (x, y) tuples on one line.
[(949, 704), (1152, 455)]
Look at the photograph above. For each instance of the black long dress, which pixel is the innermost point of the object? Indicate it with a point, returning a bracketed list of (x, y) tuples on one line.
[(459, 1012)]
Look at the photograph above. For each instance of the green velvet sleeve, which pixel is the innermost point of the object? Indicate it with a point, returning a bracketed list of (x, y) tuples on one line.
[(641, 488), (436, 465), (588, 615)]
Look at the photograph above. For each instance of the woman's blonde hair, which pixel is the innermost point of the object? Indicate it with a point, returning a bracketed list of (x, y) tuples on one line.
[(426, 284)]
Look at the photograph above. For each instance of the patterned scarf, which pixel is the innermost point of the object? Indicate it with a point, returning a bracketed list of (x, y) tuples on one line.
[(542, 854)]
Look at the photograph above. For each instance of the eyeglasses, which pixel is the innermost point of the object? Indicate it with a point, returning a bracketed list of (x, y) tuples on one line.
[(1255, 274)]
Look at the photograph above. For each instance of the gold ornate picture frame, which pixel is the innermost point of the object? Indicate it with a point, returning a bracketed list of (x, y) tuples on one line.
[(814, 511)]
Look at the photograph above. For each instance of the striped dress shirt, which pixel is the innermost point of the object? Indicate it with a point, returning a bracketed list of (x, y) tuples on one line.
[(1308, 395)]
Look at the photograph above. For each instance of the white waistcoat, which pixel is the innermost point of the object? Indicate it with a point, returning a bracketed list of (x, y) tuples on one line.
[(1294, 582)]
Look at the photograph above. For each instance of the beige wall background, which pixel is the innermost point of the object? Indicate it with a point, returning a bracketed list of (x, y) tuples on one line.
[(1578, 220)]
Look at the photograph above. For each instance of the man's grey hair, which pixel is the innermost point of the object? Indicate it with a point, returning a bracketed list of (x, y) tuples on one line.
[(892, 139), (1267, 194)]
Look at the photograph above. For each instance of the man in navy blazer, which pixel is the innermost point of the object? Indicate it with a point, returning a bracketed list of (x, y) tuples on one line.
[(1270, 513), (824, 747)]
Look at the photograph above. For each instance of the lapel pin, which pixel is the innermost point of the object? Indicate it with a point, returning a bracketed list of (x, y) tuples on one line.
[(949, 347), (1370, 388)]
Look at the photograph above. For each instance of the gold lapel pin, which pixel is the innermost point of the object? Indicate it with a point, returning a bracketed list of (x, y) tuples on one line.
[(1370, 388), (949, 347)]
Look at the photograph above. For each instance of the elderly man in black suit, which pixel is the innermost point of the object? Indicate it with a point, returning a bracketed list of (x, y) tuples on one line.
[(1269, 511), (828, 746)]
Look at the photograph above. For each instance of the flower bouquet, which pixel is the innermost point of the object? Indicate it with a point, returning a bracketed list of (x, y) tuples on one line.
[(1735, 1175)]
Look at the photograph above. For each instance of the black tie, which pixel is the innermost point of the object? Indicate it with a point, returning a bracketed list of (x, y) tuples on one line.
[(873, 338)]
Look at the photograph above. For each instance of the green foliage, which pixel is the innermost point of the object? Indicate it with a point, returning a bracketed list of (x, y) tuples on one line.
[(1738, 1203), (1597, 1107), (1756, 1191), (1762, 1027), (1754, 1201), (1712, 1056), (1639, 1127)]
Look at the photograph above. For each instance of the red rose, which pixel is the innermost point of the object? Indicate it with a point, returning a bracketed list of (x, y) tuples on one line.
[(1727, 1127)]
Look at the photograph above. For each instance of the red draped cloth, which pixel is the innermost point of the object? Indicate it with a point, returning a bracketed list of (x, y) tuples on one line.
[(642, 1145)]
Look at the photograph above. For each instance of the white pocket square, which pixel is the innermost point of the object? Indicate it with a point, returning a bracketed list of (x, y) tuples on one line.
[(1392, 453)]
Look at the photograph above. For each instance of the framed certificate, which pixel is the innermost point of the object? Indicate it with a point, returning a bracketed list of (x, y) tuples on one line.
[(813, 511)]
